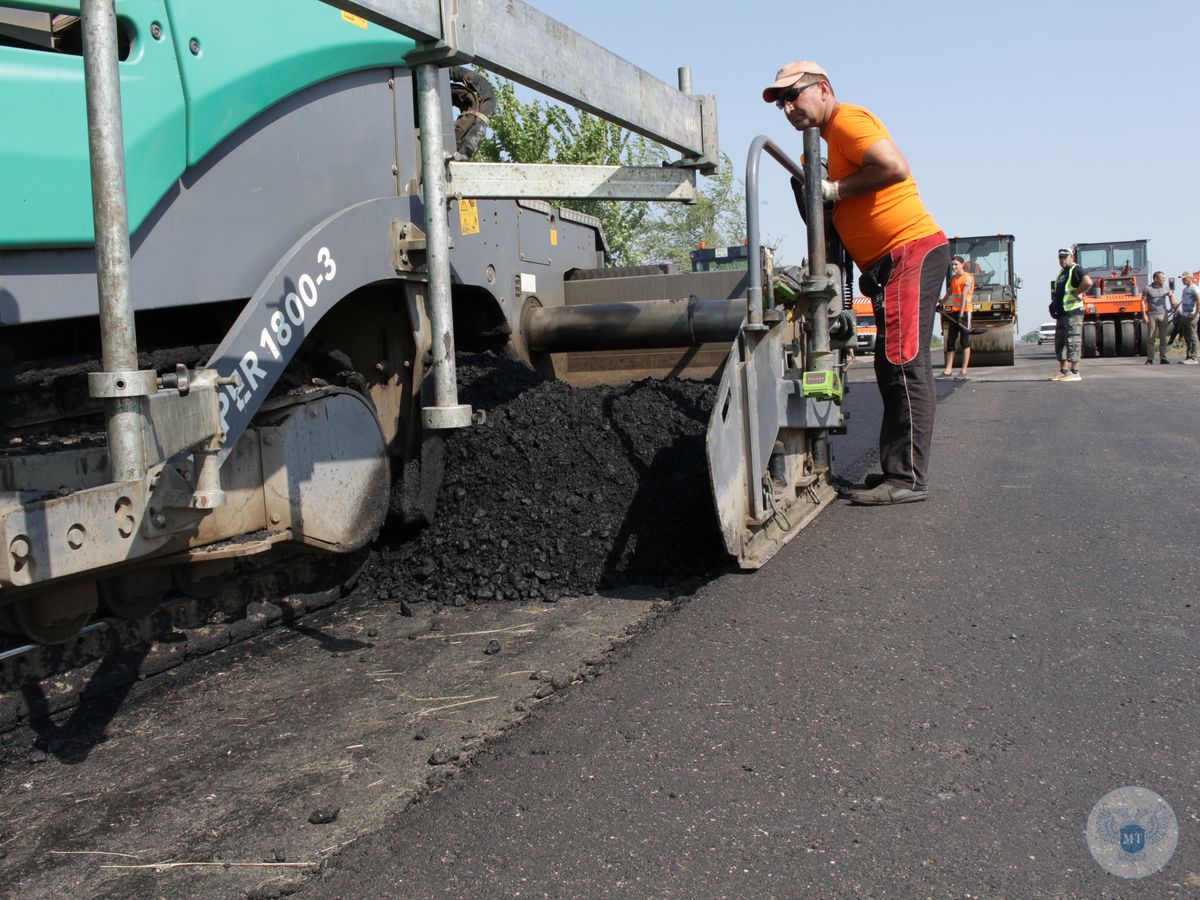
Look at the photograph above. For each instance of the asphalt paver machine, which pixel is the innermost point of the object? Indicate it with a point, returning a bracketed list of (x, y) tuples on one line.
[(247, 240)]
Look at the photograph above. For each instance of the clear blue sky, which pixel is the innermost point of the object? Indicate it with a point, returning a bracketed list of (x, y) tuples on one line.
[(1055, 122)]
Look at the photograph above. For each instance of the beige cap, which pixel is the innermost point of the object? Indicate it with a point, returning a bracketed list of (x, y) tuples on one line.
[(789, 75)]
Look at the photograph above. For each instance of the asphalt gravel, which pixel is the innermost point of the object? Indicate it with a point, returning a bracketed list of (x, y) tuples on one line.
[(562, 491)]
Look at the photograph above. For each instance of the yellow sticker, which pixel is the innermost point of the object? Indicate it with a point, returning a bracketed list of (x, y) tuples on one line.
[(353, 19), (553, 237), (468, 216)]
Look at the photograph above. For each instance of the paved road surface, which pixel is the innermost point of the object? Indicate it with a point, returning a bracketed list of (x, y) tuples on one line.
[(918, 701)]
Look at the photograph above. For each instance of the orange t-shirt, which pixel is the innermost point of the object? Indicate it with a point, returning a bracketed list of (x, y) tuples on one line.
[(871, 225)]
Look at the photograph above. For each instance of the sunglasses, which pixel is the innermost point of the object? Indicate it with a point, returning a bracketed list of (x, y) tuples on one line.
[(790, 95)]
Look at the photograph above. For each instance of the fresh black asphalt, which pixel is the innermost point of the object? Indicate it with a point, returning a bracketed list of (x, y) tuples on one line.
[(919, 701)]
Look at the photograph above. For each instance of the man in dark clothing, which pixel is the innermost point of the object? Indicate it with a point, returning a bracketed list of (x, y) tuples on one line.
[(1158, 302), (1069, 288)]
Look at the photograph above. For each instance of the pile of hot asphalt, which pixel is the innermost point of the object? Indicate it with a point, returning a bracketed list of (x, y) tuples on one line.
[(562, 491)]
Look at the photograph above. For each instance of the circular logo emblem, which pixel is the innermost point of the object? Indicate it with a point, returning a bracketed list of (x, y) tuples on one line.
[(1132, 832)]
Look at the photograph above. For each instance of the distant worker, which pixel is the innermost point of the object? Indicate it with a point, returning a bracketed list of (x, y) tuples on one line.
[(903, 255), (1126, 270), (956, 315), (1158, 302), (1067, 308), (979, 268), (1189, 310)]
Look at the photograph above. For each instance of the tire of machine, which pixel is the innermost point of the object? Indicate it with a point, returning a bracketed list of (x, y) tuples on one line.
[(1127, 339), (1143, 338), (133, 595), (53, 615), (202, 580), (1089, 340), (1108, 338)]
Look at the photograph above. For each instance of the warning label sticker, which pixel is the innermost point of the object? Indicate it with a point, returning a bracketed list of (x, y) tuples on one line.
[(468, 216)]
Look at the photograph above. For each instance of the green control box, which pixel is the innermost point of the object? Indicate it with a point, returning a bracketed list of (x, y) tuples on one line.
[(823, 385)]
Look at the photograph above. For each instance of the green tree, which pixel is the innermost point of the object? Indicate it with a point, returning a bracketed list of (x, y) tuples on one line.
[(637, 232), (716, 219), (538, 132)]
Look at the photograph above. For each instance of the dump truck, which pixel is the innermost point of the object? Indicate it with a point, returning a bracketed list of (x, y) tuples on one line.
[(994, 313), (1112, 320), (241, 243)]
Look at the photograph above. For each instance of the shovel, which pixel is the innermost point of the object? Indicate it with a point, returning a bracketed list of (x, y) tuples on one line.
[(957, 323)]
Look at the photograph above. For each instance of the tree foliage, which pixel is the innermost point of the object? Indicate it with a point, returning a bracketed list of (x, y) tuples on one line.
[(716, 219), (540, 132)]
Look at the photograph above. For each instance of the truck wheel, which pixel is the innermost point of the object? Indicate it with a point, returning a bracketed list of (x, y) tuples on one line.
[(1127, 343), (1089, 340), (1143, 338), (1108, 338)]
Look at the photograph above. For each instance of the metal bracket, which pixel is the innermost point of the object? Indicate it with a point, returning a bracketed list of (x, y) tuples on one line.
[(168, 491), (456, 45), (171, 422), (406, 238), (446, 417), (709, 159), (823, 286), (136, 383)]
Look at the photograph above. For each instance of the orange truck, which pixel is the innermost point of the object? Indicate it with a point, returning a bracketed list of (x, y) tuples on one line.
[(1112, 320), (864, 314)]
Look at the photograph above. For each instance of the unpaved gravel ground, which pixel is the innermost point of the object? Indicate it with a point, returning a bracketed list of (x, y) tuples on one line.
[(237, 759)]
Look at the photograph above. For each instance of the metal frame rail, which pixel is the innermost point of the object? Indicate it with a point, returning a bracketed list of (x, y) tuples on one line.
[(513, 39)]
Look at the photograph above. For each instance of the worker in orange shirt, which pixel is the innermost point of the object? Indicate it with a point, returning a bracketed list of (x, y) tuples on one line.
[(956, 315), (903, 254)]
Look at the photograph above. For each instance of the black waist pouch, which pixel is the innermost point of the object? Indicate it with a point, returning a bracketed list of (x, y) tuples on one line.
[(872, 281)]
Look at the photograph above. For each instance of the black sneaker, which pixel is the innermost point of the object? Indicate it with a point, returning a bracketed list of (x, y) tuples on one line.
[(887, 494), (1149, 362), (1164, 362)]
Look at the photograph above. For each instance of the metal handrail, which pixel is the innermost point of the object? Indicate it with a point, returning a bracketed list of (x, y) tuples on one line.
[(753, 233)]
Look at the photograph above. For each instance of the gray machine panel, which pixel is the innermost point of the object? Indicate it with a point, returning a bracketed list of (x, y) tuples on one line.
[(230, 218), (489, 258), (533, 229)]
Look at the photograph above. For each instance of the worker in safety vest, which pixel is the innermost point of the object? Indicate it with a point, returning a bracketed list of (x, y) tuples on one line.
[(956, 314), (1067, 308)]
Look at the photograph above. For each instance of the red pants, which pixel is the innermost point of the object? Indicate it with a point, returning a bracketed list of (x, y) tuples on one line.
[(904, 311)]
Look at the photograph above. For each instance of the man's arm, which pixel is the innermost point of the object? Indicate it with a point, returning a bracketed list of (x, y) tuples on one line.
[(1145, 309), (1084, 283), (969, 298), (883, 165)]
